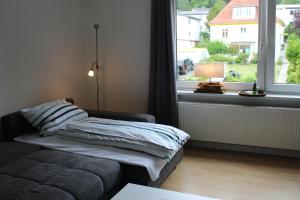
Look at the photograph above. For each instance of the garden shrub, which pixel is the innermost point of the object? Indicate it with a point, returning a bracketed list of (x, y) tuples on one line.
[(242, 58), (217, 47), (293, 49), (233, 50)]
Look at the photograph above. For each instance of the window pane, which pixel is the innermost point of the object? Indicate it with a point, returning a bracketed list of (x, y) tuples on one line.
[(287, 42), (219, 31)]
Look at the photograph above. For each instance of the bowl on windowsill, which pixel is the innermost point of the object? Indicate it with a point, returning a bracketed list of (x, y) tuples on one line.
[(250, 93)]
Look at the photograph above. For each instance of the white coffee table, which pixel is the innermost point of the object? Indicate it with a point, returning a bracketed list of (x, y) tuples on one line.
[(138, 192)]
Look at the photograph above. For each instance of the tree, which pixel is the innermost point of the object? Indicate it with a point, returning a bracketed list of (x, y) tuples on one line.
[(293, 56), (291, 29), (187, 5), (205, 36), (199, 3), (183, 5), (290, 1), (214, 11)]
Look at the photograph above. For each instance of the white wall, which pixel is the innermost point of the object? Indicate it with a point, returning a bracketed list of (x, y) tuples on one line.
[(188, 28), (234, 33), (41, 47), (125, 39)]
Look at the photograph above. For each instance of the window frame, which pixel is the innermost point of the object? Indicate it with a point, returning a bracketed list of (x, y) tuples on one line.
[(266, 58)]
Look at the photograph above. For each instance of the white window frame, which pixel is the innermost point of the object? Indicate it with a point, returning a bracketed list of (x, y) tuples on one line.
[(266, 61)]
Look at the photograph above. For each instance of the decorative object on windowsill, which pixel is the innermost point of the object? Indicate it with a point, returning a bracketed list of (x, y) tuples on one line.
[(215, 87), (253, 93), (249, 93), (210, 70), (95, 68)]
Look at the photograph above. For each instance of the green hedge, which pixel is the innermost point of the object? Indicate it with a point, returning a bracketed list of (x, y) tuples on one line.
[(217, 47)]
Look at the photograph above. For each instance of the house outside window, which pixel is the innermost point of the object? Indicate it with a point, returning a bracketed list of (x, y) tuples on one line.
[(250, 56)]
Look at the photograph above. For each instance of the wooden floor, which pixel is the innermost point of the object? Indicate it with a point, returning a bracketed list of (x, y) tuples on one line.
[(228, 175)]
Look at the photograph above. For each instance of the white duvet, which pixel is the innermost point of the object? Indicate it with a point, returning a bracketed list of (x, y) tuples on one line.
[(155, 139)]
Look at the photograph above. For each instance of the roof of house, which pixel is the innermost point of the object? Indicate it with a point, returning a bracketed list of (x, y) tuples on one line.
[(225, 16)]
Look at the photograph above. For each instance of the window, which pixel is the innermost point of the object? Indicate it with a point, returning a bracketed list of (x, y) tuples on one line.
[(262, 47), (243, 12), (225, 33), (243, 30), (292, 12)]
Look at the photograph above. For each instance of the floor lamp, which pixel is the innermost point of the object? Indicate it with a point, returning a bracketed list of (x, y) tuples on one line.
[(95, 66)]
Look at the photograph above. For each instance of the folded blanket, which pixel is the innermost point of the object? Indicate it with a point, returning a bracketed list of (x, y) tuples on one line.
[(156, 139)]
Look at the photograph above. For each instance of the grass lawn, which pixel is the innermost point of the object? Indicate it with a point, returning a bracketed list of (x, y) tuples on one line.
[(247, 72)]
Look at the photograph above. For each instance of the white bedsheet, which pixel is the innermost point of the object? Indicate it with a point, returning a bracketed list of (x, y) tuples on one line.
[(153, 164)]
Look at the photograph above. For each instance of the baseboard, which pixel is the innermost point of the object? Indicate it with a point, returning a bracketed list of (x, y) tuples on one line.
[(242, 148)]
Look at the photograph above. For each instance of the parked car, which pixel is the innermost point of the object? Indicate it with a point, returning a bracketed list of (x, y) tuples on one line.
[(185, 66)]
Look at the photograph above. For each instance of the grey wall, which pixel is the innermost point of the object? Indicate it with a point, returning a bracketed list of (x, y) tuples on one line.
[(41, 52), (125, 39), (47, 46)]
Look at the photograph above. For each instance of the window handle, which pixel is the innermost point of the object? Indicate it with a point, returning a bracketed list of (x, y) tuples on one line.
[(262, 45)]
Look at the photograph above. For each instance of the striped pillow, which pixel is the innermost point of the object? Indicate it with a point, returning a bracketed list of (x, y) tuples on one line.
[(50, 117)]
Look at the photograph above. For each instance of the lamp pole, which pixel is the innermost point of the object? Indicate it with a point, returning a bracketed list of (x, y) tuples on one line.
[(96, 26)]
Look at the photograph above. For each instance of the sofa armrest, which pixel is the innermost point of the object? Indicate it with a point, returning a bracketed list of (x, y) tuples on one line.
[(138, 117)]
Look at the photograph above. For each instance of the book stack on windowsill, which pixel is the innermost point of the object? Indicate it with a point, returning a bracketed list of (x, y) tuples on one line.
[(209, 87)]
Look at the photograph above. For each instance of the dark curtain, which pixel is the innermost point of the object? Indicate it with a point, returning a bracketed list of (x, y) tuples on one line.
[(162, 90)]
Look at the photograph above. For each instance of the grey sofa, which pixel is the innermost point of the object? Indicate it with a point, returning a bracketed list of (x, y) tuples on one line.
[(29, 172), (14, 125)]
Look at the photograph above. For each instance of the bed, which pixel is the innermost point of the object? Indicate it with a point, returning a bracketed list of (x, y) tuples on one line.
[(15, 125)]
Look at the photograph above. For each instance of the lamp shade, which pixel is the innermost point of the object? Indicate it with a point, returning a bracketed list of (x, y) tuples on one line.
[(210, 70)]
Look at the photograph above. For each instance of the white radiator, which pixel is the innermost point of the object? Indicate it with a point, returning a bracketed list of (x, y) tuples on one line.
[(244, 125)]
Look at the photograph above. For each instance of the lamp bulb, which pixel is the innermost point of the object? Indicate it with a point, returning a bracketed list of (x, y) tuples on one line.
[(91, 73)]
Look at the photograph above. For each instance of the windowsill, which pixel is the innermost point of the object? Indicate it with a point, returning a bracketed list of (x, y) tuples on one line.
[(232, 97)]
